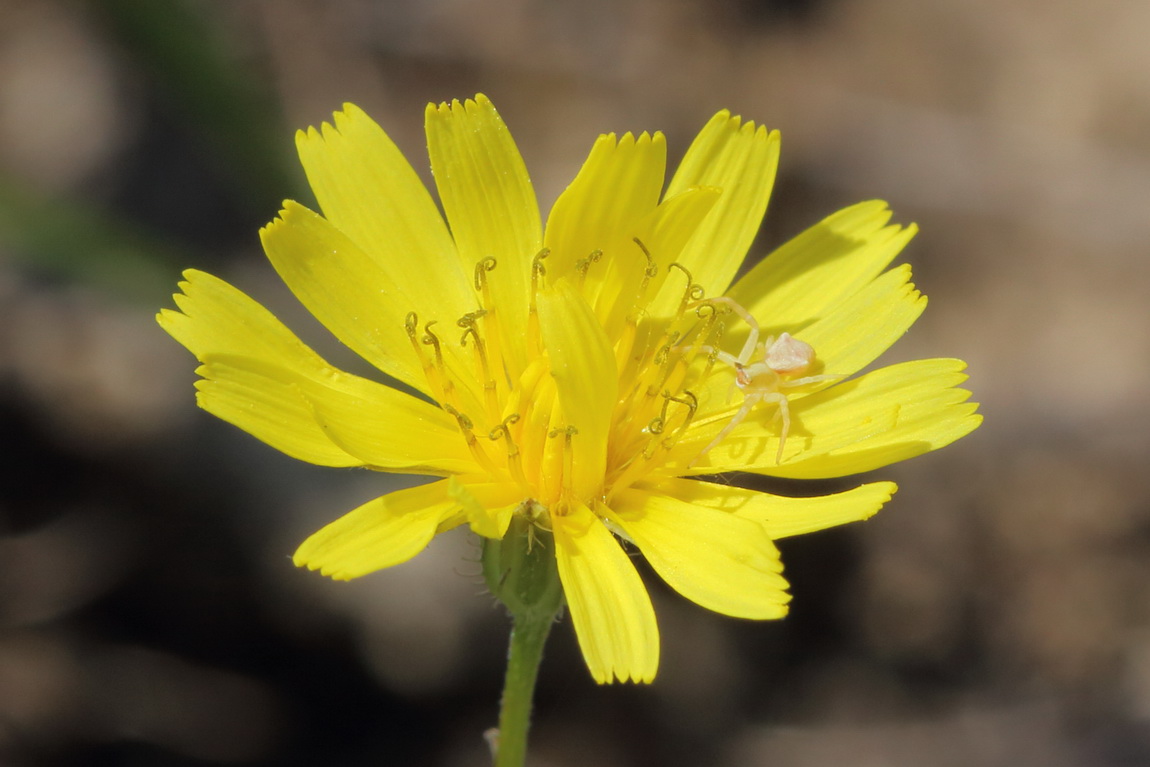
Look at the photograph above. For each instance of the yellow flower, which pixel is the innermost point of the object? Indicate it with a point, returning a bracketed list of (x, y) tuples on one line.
[(578, 373)]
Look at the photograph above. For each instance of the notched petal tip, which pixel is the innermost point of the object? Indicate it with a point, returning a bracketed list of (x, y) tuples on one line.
[(644, 139), (869, 207), (472, 106), (748, 129), (350, 110), (305, 137), (290, 213), (271, 226), (328, 571), (950, 365), (724, 116), (288, 209), (919, 299), (456, 108), (302, 558), (349, 118), (624, 676)]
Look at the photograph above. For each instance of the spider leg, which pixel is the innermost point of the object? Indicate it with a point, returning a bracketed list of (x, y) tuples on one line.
[(752, 337), (809, 379), (784, 412), (749, 402), (727, 358), (720, 355)]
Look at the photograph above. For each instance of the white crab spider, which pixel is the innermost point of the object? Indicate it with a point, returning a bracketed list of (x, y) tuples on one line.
[(780, 365)]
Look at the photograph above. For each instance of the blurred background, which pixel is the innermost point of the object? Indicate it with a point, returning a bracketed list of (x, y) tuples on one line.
[(995, 613)]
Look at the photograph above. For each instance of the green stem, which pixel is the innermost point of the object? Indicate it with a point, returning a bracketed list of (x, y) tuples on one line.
[(528, 635)]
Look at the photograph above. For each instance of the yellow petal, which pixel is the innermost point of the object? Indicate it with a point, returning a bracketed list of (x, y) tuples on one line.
[(812, 273), (784, 517), (664, 233), (668, 229), (369, 192), (217, 318), (262, 378), (741, 160), (781, 516), (609, 605), (490, 204), (358, 300), (721, 561), (271, 409), (386, 428), (854, 333), (487, 505), (888, 415), (381, 427), (381, 533), (617, 187), (583, 366)]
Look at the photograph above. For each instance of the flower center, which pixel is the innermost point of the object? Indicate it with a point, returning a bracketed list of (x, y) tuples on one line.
[(512, 422)]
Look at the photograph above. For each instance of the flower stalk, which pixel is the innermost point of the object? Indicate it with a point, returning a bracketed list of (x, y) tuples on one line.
[(528, 635), (520, 570)]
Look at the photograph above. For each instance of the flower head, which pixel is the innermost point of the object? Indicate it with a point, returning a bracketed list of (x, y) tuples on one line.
[(578, 374)]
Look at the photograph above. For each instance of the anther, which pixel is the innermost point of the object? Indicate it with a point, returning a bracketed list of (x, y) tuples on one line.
[(481, 270), (583, 265), (438, 370), (694, 291), (688, 399), (649, 272), (433, 371), (465, 424), (683, 269), (568, 455), (712, 350), (665, 349), (658, 424), (537, 268), (411, 325), (652, 269), (514, 462), (491, 319), (432, 340), (467, 322), (503, 431), (705, 337), (477, 452), (534, 338)]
